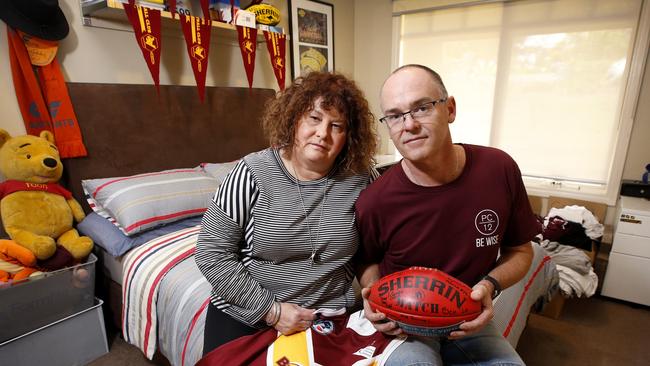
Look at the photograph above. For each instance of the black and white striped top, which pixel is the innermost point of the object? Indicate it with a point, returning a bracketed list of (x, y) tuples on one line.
[(254, 246)]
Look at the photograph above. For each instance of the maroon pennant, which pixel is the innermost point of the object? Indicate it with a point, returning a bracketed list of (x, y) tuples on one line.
[(197, 37), (172, 7), (205, 6), (247, 45), (146, 27), (276, 44)]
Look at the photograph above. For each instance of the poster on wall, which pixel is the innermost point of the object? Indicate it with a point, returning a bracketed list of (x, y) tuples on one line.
[(312, 36)]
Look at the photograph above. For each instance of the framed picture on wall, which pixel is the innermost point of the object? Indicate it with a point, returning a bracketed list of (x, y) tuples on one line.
[(312, 36)]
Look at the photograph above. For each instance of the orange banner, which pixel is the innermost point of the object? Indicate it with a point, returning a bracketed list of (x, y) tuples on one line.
[(276, 44), (197, 38), (146, 25), (248, 45), (43, 98)]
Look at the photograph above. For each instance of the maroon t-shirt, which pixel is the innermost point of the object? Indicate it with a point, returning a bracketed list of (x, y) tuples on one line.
[(457, 227)]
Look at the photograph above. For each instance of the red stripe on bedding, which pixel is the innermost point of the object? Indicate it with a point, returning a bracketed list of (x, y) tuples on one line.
[(94, 194), (189, 331), (164, 217), (153, 288), (135, 262), (523, 294)]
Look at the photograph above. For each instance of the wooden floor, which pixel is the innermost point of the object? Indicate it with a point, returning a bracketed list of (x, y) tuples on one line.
[(595, 331)]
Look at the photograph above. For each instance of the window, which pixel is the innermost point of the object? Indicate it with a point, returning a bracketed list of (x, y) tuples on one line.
[(545, 81)]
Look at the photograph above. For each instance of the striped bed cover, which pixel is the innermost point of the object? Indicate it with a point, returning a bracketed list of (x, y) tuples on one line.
[(512, 307), (165, 297)]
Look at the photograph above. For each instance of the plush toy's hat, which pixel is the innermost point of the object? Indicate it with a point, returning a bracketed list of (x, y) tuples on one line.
[(39, 18), (41, 52)]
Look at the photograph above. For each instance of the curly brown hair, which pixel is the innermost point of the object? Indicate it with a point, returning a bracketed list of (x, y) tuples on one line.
[(338, 93)]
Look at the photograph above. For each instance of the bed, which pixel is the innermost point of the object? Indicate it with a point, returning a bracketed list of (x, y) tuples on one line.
[(158, 296), (132, 129)]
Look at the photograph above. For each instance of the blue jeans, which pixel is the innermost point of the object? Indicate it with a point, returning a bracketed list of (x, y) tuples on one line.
[(486, 347)]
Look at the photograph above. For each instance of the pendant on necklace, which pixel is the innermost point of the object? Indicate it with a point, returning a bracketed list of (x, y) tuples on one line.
[(312, 257)]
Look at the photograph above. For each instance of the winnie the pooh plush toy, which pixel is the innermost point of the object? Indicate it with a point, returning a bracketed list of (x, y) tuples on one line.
[(37, 213)]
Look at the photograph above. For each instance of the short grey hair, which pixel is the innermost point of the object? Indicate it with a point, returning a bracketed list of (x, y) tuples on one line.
[(436, 77)]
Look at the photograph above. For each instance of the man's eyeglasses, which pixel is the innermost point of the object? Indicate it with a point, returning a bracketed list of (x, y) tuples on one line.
[(419, 112)]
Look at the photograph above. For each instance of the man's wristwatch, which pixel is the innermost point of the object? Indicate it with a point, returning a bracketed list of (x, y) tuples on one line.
[(495, 284)]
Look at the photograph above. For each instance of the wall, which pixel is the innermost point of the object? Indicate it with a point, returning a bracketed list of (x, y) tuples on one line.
[(97, 55), (10, 118), (362, 35), (372, 54), (638, 153), (344, 28)]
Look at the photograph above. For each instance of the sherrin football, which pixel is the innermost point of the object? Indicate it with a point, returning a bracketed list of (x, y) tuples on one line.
[(424, 301), (265, 14)]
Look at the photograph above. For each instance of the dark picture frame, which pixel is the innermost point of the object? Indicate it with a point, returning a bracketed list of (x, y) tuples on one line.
[(311, 25)]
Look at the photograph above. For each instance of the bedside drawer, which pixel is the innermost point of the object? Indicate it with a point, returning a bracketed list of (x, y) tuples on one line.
[(632, 245), (627, 278), (629, 223)]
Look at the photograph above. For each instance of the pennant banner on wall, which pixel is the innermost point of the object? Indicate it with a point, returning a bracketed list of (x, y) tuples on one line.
[(197, 37), (276, 44), (172, 8), (248, 45), (146, 26), (205, 6)]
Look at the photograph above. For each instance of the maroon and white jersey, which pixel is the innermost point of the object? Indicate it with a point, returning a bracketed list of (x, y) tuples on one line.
[(331, 340)]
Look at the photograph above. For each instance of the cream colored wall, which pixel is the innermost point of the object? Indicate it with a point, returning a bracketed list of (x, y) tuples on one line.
[(344, 29), (10, 118), (91, 54), (362, 35), (372, 53), (638, 153)]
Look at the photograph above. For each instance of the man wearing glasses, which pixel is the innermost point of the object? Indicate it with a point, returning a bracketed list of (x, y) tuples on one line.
[(447, 206)]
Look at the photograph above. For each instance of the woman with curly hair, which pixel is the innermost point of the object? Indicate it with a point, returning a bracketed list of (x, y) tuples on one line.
[(278, 239)]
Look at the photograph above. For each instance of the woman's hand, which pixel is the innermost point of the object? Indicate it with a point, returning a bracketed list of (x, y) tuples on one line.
[(378, 320), (293, 318)]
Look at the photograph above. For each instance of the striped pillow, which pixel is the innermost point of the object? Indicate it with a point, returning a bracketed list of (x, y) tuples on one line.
[(141, 202)]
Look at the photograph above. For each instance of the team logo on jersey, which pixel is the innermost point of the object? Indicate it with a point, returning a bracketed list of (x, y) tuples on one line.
[(486, 222), (323, 326)]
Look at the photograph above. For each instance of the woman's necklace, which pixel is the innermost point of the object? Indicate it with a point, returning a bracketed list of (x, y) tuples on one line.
[(312, 243)]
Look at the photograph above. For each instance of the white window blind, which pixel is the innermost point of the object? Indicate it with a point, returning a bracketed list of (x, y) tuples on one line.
[(543, 80)]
